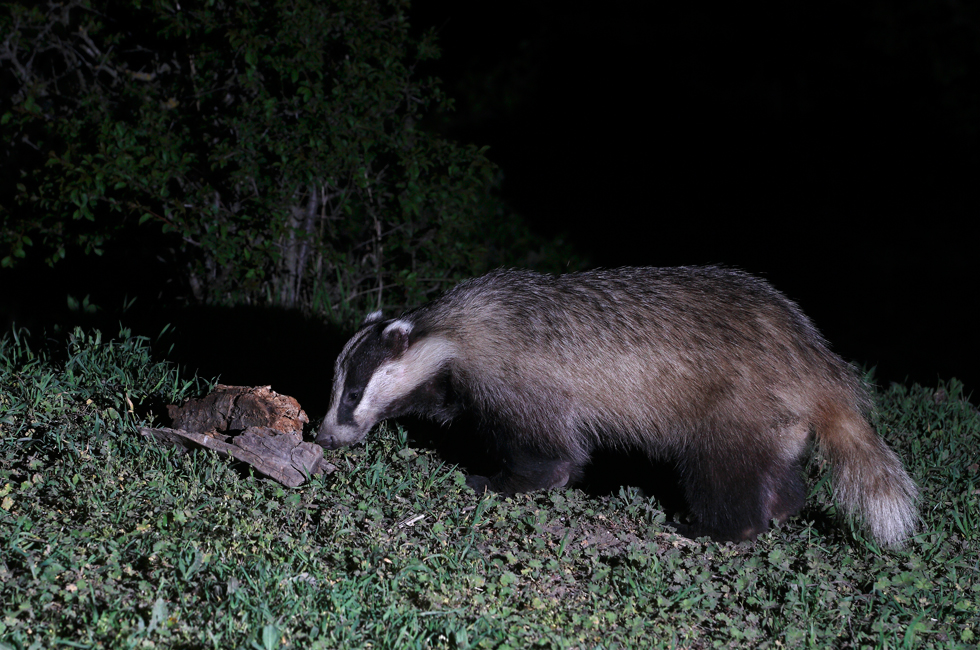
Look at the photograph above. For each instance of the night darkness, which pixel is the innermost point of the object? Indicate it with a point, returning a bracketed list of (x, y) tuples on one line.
[(829, 147)]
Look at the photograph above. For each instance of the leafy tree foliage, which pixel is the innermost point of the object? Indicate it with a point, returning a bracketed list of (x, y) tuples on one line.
[(270, 144)]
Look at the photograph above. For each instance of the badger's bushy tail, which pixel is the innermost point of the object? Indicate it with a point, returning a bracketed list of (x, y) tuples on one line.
[(868, 478)]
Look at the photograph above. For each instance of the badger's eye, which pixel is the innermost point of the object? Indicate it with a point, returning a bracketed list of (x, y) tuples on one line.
[(352, 396)]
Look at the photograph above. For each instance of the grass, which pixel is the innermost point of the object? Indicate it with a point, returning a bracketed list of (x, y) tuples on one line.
[(108, 542)]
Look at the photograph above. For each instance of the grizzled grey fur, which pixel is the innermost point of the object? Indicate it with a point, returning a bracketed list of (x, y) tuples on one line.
[(708, 367)]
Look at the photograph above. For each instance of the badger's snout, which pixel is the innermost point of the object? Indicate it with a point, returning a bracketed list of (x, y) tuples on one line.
[(326, 437), (335, 436), (327, 441)]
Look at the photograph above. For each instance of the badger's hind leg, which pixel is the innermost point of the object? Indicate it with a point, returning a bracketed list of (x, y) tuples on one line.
[(526, 472), (737, 485)]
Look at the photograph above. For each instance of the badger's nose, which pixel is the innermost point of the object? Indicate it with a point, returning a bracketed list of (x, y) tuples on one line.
[(324, 438), (326, 441)]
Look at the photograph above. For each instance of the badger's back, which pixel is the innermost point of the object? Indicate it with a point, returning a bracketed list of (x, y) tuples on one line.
[(633, 353)]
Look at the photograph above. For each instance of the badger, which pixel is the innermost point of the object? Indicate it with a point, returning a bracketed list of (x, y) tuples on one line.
[(708, 368)]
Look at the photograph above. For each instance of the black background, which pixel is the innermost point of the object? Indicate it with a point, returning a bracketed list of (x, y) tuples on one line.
[(829, 147)]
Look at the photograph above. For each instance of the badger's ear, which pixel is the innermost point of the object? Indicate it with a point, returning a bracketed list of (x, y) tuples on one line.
[(373, 317), (395, 336)]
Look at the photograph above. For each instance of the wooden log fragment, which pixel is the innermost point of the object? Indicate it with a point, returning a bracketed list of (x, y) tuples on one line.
[(264, 429), (237, 408)]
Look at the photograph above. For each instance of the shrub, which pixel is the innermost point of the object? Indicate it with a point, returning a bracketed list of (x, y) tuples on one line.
[(269, 148)]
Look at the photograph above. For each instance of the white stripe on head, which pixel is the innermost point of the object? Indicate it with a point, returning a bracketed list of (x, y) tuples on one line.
[(397, 378)]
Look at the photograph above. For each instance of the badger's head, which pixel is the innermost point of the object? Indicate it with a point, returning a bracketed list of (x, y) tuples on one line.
[(375, 377)]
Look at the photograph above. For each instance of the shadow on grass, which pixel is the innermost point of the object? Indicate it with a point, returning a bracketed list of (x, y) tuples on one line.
[(460, 444)]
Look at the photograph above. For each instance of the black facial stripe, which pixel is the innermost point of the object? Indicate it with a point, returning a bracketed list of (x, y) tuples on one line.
[(362, 361), (342, 362), (351, 347)]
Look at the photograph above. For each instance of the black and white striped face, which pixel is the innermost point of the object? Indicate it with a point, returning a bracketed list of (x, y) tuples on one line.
[(374, 377)]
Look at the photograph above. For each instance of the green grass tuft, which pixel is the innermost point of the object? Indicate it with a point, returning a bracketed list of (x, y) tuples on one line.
[(109, 542)]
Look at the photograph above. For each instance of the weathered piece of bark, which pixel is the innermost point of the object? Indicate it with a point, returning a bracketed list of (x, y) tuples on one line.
[(269, 427), (236, 408)]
